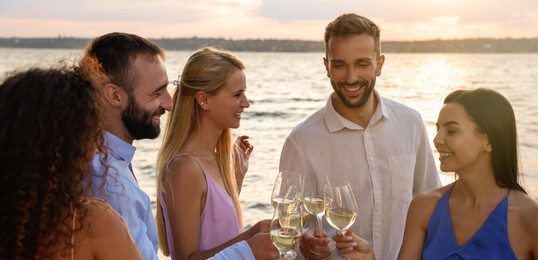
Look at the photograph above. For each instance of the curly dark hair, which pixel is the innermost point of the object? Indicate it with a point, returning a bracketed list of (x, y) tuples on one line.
[(50, 131)]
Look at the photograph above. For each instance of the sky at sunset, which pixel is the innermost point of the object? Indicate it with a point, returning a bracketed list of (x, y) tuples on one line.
[(267, 19)]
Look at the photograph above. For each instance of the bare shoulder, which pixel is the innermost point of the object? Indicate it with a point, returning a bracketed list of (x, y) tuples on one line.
[(185, 169), (430, 198), (525, 209), (101, 216), (108, 233), (522, 224), (184, 174), (424, 203), (418, 217)]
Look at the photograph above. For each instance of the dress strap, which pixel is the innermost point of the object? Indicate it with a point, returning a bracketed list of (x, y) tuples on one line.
[(186, 155), (73, 233), (168, 167)]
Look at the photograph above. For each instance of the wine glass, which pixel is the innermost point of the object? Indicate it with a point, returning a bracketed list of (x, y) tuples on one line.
[(288, 189), (286, 229), (314, 202), (340, 206), (305, 216)]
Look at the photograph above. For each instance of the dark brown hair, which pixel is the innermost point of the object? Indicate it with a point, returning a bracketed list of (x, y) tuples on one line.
[(116, 52), (494, 116), (348, 24), (50, 131)]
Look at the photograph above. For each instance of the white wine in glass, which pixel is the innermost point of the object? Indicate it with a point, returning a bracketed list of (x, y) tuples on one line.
[(341, 207), (285, 239), (287, 190), (314, 202), (283, 202), (286, 230), (315, 205), (305, 217), (341, 218)]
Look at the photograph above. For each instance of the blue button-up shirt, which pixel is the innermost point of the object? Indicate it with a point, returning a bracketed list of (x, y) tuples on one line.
[(122, 192), (239, 250)]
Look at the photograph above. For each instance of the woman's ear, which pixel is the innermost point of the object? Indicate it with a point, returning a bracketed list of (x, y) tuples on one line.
[(485, 141), (201, 99), (488, 148)]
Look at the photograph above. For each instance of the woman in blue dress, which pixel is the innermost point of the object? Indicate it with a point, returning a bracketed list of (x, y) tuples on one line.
[(485, 213)]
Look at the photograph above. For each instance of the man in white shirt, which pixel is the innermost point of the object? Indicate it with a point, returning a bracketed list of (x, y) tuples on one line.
[(379, 146)]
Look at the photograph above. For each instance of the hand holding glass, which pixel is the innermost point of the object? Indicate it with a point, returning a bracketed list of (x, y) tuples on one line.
[(286, 229), (340, 206)]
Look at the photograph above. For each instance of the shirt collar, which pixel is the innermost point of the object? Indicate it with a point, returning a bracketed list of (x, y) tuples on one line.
[(335, 122), (119, 148)]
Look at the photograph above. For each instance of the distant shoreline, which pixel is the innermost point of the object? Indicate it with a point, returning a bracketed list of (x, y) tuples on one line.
[(479, 45)]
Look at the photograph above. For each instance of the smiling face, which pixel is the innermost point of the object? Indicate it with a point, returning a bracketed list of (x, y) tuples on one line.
[(352, 67), (228, 104), (149, 100), (461, 147)]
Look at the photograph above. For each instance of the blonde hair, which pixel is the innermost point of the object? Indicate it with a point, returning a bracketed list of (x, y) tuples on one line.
[(206, 70)]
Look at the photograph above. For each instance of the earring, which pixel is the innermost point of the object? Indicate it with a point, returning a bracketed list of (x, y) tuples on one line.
[(201, 103)]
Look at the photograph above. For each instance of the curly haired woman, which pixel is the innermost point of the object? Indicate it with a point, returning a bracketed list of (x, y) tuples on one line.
[(50, 131)]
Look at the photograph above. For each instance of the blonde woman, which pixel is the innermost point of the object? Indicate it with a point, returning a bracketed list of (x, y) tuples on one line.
[(200, 168)]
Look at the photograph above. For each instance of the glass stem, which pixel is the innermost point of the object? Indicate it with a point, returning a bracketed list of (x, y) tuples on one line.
[(319, 225)]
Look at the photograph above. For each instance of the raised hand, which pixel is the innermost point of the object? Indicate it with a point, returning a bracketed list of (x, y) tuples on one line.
[(352, 246), (262, 247), (263, 226), (243, 151)]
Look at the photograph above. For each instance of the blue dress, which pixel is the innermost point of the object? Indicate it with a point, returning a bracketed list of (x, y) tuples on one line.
[(489, 242)]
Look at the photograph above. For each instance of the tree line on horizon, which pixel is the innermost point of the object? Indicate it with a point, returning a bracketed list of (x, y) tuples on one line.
[(478, 45)]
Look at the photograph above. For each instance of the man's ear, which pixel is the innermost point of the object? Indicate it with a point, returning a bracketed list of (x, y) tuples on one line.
[(326, 63), (379, 65), (114, 95)]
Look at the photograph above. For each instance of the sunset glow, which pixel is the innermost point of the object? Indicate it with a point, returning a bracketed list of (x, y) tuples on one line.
[(268, 19)]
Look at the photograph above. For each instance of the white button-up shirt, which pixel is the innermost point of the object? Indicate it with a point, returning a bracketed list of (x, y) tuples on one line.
[(386, 163)]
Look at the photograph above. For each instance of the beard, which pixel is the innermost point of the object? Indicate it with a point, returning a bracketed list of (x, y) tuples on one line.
[(369, 88), (138, 121)]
